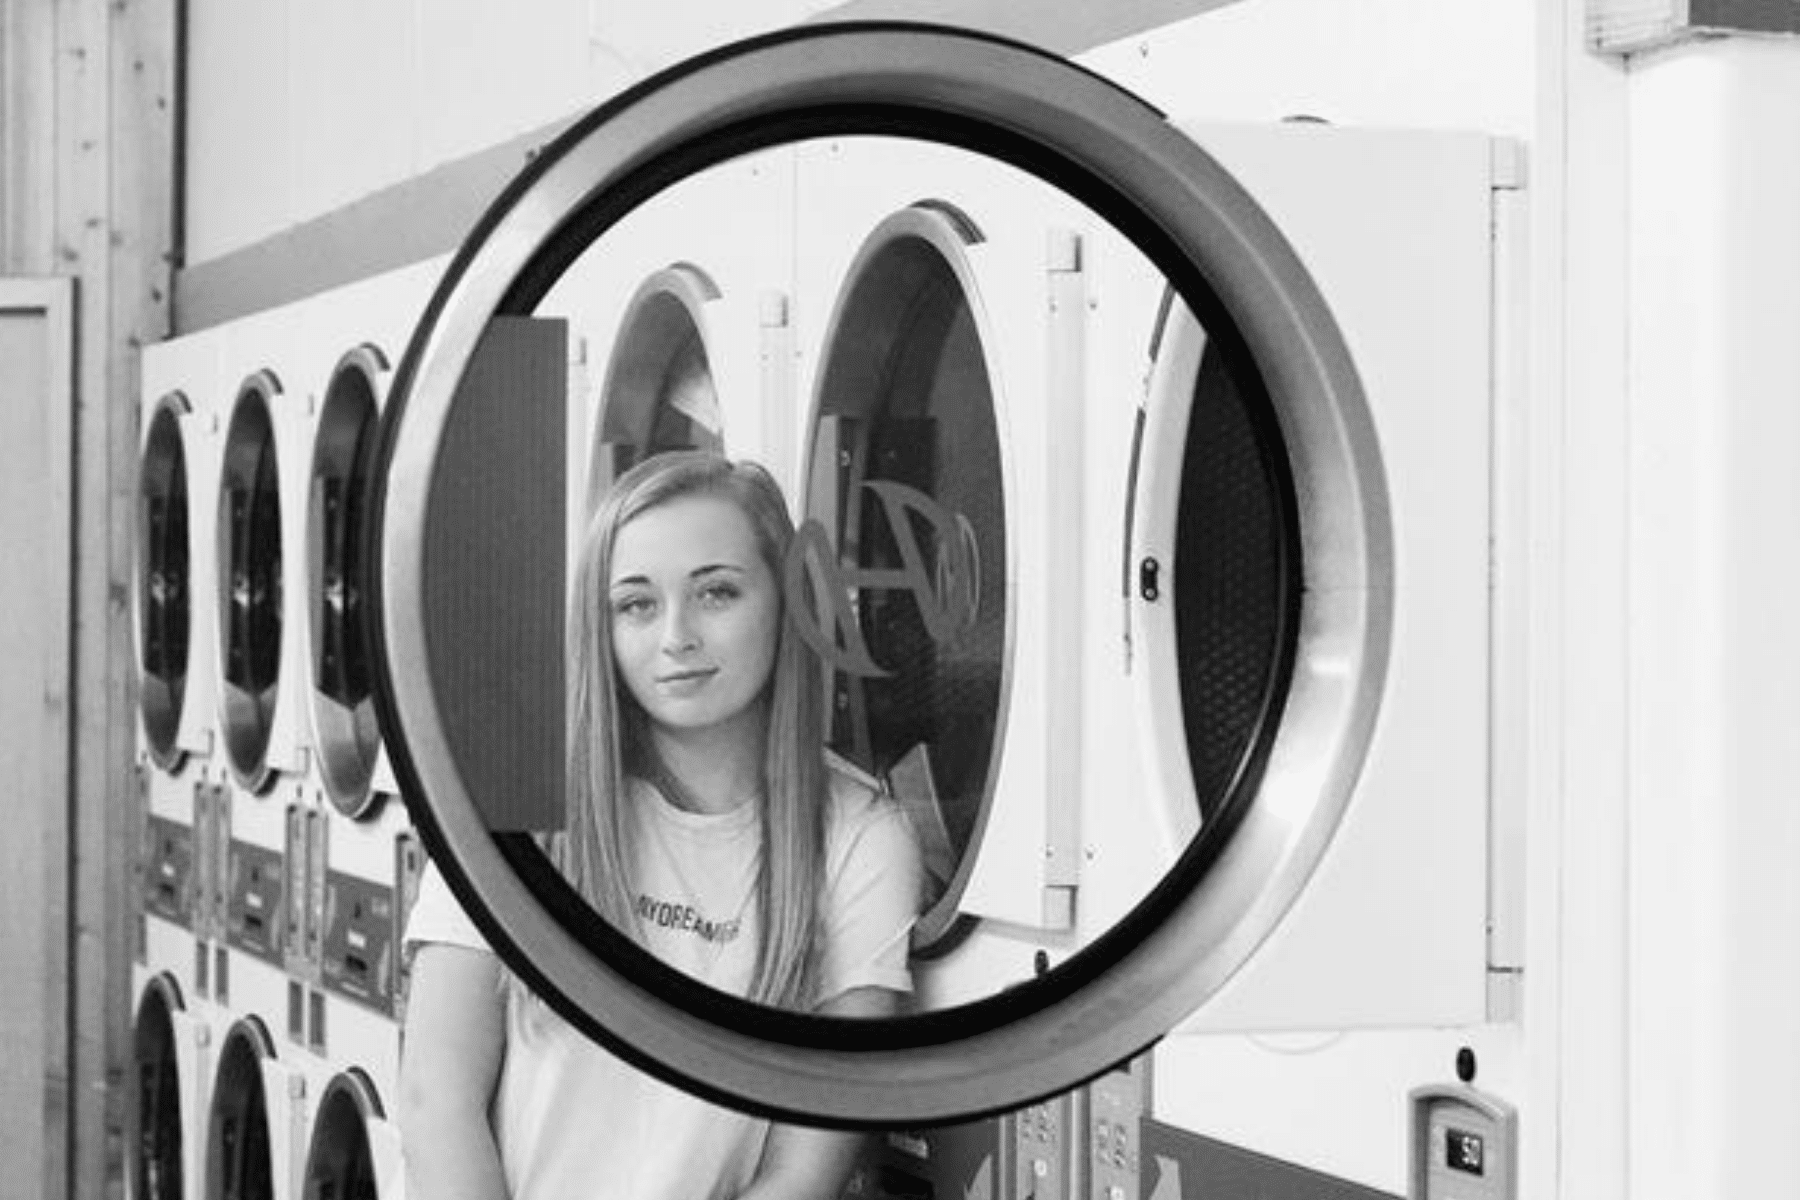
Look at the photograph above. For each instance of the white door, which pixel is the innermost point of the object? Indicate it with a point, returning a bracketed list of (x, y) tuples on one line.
[(36, 482)]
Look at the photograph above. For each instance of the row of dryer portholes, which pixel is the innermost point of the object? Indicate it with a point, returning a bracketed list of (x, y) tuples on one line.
[(1176, 728), (947, 366), (229, 646), (221, 1115), (925, 413)]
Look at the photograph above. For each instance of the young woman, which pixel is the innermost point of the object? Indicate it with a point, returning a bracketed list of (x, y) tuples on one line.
[(706, 820)]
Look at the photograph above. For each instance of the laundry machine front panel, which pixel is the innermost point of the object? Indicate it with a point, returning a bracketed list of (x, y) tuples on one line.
[(346, 737), (242, 1125), (353, 1152), (169, 1091), (1238, 859), (928, 251), (1402, 249), (677, 307), (250, 547), (351, 336)]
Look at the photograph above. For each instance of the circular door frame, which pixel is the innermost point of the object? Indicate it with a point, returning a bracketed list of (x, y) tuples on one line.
[(346, 738), (1080, 132), (160, 1000), (165, 422), (256, 399), (948, 233), (681, 288)]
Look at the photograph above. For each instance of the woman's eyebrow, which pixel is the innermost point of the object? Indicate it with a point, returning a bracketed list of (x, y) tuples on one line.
[(710, 568), (629, 581)]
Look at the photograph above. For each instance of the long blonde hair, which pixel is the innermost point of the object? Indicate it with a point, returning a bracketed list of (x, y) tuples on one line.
[(608, 734)]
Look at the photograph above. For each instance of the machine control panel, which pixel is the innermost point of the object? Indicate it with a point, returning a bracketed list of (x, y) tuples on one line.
[(169, 871), (1115, 1106), (1464, 1145), (358, 952), (212, 830), (301, 934), (254, 913), (1041, 1150)]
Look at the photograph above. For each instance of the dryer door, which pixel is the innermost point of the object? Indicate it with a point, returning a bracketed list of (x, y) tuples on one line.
[(343, 707), (905, 485), (164, 585), (659, 392), (926, 604), (250, 582)]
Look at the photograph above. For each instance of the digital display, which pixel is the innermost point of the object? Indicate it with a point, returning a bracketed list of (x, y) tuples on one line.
[(1464, 1151)]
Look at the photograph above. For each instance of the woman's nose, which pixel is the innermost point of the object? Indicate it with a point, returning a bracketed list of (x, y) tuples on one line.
[(679, 635)]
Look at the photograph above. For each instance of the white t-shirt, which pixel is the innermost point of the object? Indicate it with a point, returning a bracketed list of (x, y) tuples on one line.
[(572, 1121)]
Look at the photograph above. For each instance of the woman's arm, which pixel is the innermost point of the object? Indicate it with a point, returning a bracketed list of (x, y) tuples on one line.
[(449, 1066), (802, 1163)]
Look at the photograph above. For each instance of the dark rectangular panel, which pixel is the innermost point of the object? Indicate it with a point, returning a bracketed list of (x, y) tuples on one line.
[(1178, 1165), (169, 871), (494, 574), (953, 1162), (359, 941), (255, 916)]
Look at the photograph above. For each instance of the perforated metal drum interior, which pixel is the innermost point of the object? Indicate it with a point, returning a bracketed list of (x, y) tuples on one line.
[(1236, 558), (348, 736), (250, 581), (164, 586)]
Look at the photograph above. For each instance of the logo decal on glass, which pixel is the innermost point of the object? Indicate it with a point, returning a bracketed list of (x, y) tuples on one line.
[(945, 583)]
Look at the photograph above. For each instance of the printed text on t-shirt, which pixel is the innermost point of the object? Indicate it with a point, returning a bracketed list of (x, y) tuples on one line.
[(686, 918)]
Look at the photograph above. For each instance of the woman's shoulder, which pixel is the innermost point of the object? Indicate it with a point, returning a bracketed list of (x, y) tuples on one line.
[(859, 807), (854, 794)]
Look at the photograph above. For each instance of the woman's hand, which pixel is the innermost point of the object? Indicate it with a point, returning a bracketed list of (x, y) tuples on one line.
[(803, 1163), (450, 1062)]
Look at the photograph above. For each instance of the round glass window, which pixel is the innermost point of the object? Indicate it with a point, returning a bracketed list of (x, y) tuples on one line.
[(906, 482), (249, 554), (349, 740), (165, 595), (678, 775), (658, 393)]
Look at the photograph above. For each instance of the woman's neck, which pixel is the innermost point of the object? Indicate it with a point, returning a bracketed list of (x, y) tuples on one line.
[(718, 768)]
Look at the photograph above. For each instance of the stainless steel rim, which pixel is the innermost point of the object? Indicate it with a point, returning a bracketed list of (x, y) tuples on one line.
[(1080, 125)]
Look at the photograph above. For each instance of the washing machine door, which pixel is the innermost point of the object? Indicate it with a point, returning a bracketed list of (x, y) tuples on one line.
[(922, 576)]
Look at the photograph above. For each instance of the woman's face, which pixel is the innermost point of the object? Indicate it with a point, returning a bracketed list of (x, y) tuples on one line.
[(695, 612)]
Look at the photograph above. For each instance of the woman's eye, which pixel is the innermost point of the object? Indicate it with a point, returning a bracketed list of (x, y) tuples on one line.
[(632, 607), (717, 594)]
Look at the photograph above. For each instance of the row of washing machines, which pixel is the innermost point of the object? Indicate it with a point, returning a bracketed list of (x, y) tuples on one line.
[(847, 311)]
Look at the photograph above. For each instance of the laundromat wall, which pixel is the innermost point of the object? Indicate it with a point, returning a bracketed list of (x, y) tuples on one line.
[(1643, 945)]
